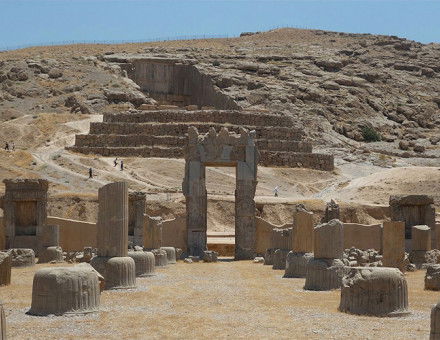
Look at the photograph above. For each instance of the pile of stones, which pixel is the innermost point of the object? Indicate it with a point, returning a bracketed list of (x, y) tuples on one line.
[(354, 257)]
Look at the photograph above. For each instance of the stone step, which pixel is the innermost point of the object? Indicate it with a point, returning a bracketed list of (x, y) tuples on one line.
[(205, 116), (267, 158), (175, 141), (180, 129)]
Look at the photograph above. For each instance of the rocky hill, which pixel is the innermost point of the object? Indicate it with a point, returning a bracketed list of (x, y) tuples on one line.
[(372, 101)]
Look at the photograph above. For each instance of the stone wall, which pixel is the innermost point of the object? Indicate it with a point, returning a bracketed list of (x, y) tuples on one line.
[(75, 235), (363, 236), (174, 233), (264, 234)]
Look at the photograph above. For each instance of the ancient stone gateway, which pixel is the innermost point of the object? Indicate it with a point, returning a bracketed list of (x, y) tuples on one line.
[(222, 149)]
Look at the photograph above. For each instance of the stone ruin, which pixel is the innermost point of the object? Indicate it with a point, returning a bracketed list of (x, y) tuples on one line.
[(221, 149), (281, 245), (25, 215), (332, 211), (302, 247), (421, 244), (160, 133), (65, 290), (326, 269), (112, 261), (374, 291), (414, 210), (136, 211), (5, 269), (435, 323), (2, 322), (393, 236)]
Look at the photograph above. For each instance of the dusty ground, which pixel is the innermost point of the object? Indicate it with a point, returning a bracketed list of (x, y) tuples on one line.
[(220, 300)]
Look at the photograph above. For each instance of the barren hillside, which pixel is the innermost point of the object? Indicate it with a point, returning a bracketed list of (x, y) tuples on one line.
[(344, 90)]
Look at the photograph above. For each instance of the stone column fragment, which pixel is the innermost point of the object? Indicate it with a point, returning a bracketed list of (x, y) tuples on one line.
[(435, 323), (5, 269), (303, 232), (394, 244), (2, 323), (113, 220), (329, 240), (374, 291)]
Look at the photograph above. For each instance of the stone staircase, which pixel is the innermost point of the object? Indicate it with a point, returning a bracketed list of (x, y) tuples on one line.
[(162, 133)]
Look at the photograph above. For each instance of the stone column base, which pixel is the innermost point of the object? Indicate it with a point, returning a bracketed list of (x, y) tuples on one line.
[(296, 264), (324, 274)]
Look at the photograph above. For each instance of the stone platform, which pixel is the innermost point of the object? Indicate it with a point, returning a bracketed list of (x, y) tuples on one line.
[(161, 133)]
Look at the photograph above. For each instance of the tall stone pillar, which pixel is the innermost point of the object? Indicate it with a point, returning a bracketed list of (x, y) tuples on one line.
[(245, 224), (152, 238), (196, 207), (394, 244), (136, 211), (113, 220), (303, 232)]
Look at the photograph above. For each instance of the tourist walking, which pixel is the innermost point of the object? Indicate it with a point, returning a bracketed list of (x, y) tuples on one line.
[(90, 173), (13, 146), (7, 146), (275, 191), (122, 165), (115, 162)]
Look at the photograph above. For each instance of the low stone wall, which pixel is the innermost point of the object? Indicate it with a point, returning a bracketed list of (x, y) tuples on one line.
[(363, 236), (178, 141), (205, 116), (75, 235), (298, 160), (264, 234), (174, 233)]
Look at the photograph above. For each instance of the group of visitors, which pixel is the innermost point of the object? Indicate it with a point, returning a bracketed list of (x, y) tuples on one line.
[(115, 164), (9, 146)]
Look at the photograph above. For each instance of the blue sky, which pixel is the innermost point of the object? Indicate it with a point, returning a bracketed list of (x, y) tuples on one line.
[(25, 22)]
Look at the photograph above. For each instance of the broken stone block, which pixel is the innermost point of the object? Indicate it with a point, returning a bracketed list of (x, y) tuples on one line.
[(160, 257), (279, 259), (296, 264), (324, 274), (268, 256), (171, 254), (329, 240), (5, 269), (22, 257), (374, 291), (432, 277), (118, 272), (210, 256), (65, 290), (435, 323), (144, 262), (51, 255)]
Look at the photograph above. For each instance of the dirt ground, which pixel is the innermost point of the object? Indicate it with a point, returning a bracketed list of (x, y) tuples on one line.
[(215, 300)]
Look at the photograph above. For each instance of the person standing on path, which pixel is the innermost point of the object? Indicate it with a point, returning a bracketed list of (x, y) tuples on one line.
[(90, 173), (115, 162), (275, 191), (122, 165)]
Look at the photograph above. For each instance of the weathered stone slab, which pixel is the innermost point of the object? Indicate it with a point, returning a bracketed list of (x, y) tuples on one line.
[(296, 264), (303, 232), (324, 274), (394, 244), (421, 237), (329, 240)]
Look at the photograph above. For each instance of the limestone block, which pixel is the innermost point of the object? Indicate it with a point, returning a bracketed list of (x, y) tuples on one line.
[(171, 254), (2, 323), (421, 237), (279, 259), (332, 211), (144, 262), (65, 290), (329, 240), (5, 269), (374, 291), (113, 220), (51, 254), (296, 264), (435, 323), (22, 257), (394, 244), (303, 232), (432, 277), (50, 236), (324, 274), (210, 256), (282, 238), (268, 256), (160, 257), (118, 272)]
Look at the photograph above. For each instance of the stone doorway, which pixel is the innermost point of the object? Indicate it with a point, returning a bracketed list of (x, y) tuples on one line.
[(222, 149)]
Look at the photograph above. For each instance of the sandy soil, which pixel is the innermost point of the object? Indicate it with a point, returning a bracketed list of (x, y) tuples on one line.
[(220, 300)]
